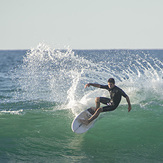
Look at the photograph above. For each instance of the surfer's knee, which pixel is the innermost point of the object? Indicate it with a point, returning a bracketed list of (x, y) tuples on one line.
[(97, 99)]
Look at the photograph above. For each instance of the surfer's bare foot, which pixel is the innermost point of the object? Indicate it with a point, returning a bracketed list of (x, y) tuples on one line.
[(83, 121)]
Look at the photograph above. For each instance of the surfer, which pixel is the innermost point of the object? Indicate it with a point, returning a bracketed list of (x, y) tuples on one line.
[(111, 103)]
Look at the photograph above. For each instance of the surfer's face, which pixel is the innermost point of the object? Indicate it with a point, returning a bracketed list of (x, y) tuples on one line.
[(111, 85)]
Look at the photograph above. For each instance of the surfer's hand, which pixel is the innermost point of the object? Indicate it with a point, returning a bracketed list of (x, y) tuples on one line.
[(87, 85), (129, 104), (129, 108)]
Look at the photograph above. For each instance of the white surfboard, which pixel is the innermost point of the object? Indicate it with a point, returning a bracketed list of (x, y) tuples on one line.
[(80, 128)]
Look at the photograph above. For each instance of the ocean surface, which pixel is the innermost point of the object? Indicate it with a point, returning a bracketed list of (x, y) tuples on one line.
[(42, 90)]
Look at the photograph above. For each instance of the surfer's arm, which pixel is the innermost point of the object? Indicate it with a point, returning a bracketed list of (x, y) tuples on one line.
[(129, 104), (92, 84)]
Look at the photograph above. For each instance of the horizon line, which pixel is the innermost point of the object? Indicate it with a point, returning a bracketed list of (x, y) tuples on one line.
[(88, 49)]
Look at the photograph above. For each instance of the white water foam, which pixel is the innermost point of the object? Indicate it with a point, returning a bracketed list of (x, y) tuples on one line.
[(17, 112)]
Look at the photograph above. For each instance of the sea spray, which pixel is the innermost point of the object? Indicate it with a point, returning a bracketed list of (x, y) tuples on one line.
[(60, 75), (44, 74)]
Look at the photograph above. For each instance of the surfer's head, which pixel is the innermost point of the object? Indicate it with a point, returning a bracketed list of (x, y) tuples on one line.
[(111, 83)]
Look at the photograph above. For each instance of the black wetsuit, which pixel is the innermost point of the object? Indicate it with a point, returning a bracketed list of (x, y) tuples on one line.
[(112, 103)]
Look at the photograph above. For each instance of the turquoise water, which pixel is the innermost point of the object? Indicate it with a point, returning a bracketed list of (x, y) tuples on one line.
[(42, 90)]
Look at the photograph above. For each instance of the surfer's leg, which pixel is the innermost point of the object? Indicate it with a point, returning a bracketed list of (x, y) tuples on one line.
[(109, 108), (97, 101), (95, 115), (104, 100), (98, 111)]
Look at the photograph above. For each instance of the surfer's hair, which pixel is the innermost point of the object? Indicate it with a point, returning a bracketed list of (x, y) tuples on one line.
[(111, 80)]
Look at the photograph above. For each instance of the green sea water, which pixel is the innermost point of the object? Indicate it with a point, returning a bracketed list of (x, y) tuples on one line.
[(46, 136)]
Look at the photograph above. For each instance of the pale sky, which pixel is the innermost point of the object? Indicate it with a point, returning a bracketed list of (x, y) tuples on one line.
[(81, 24)]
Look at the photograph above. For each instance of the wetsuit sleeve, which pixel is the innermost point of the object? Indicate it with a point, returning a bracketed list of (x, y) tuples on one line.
[(104, 86)]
